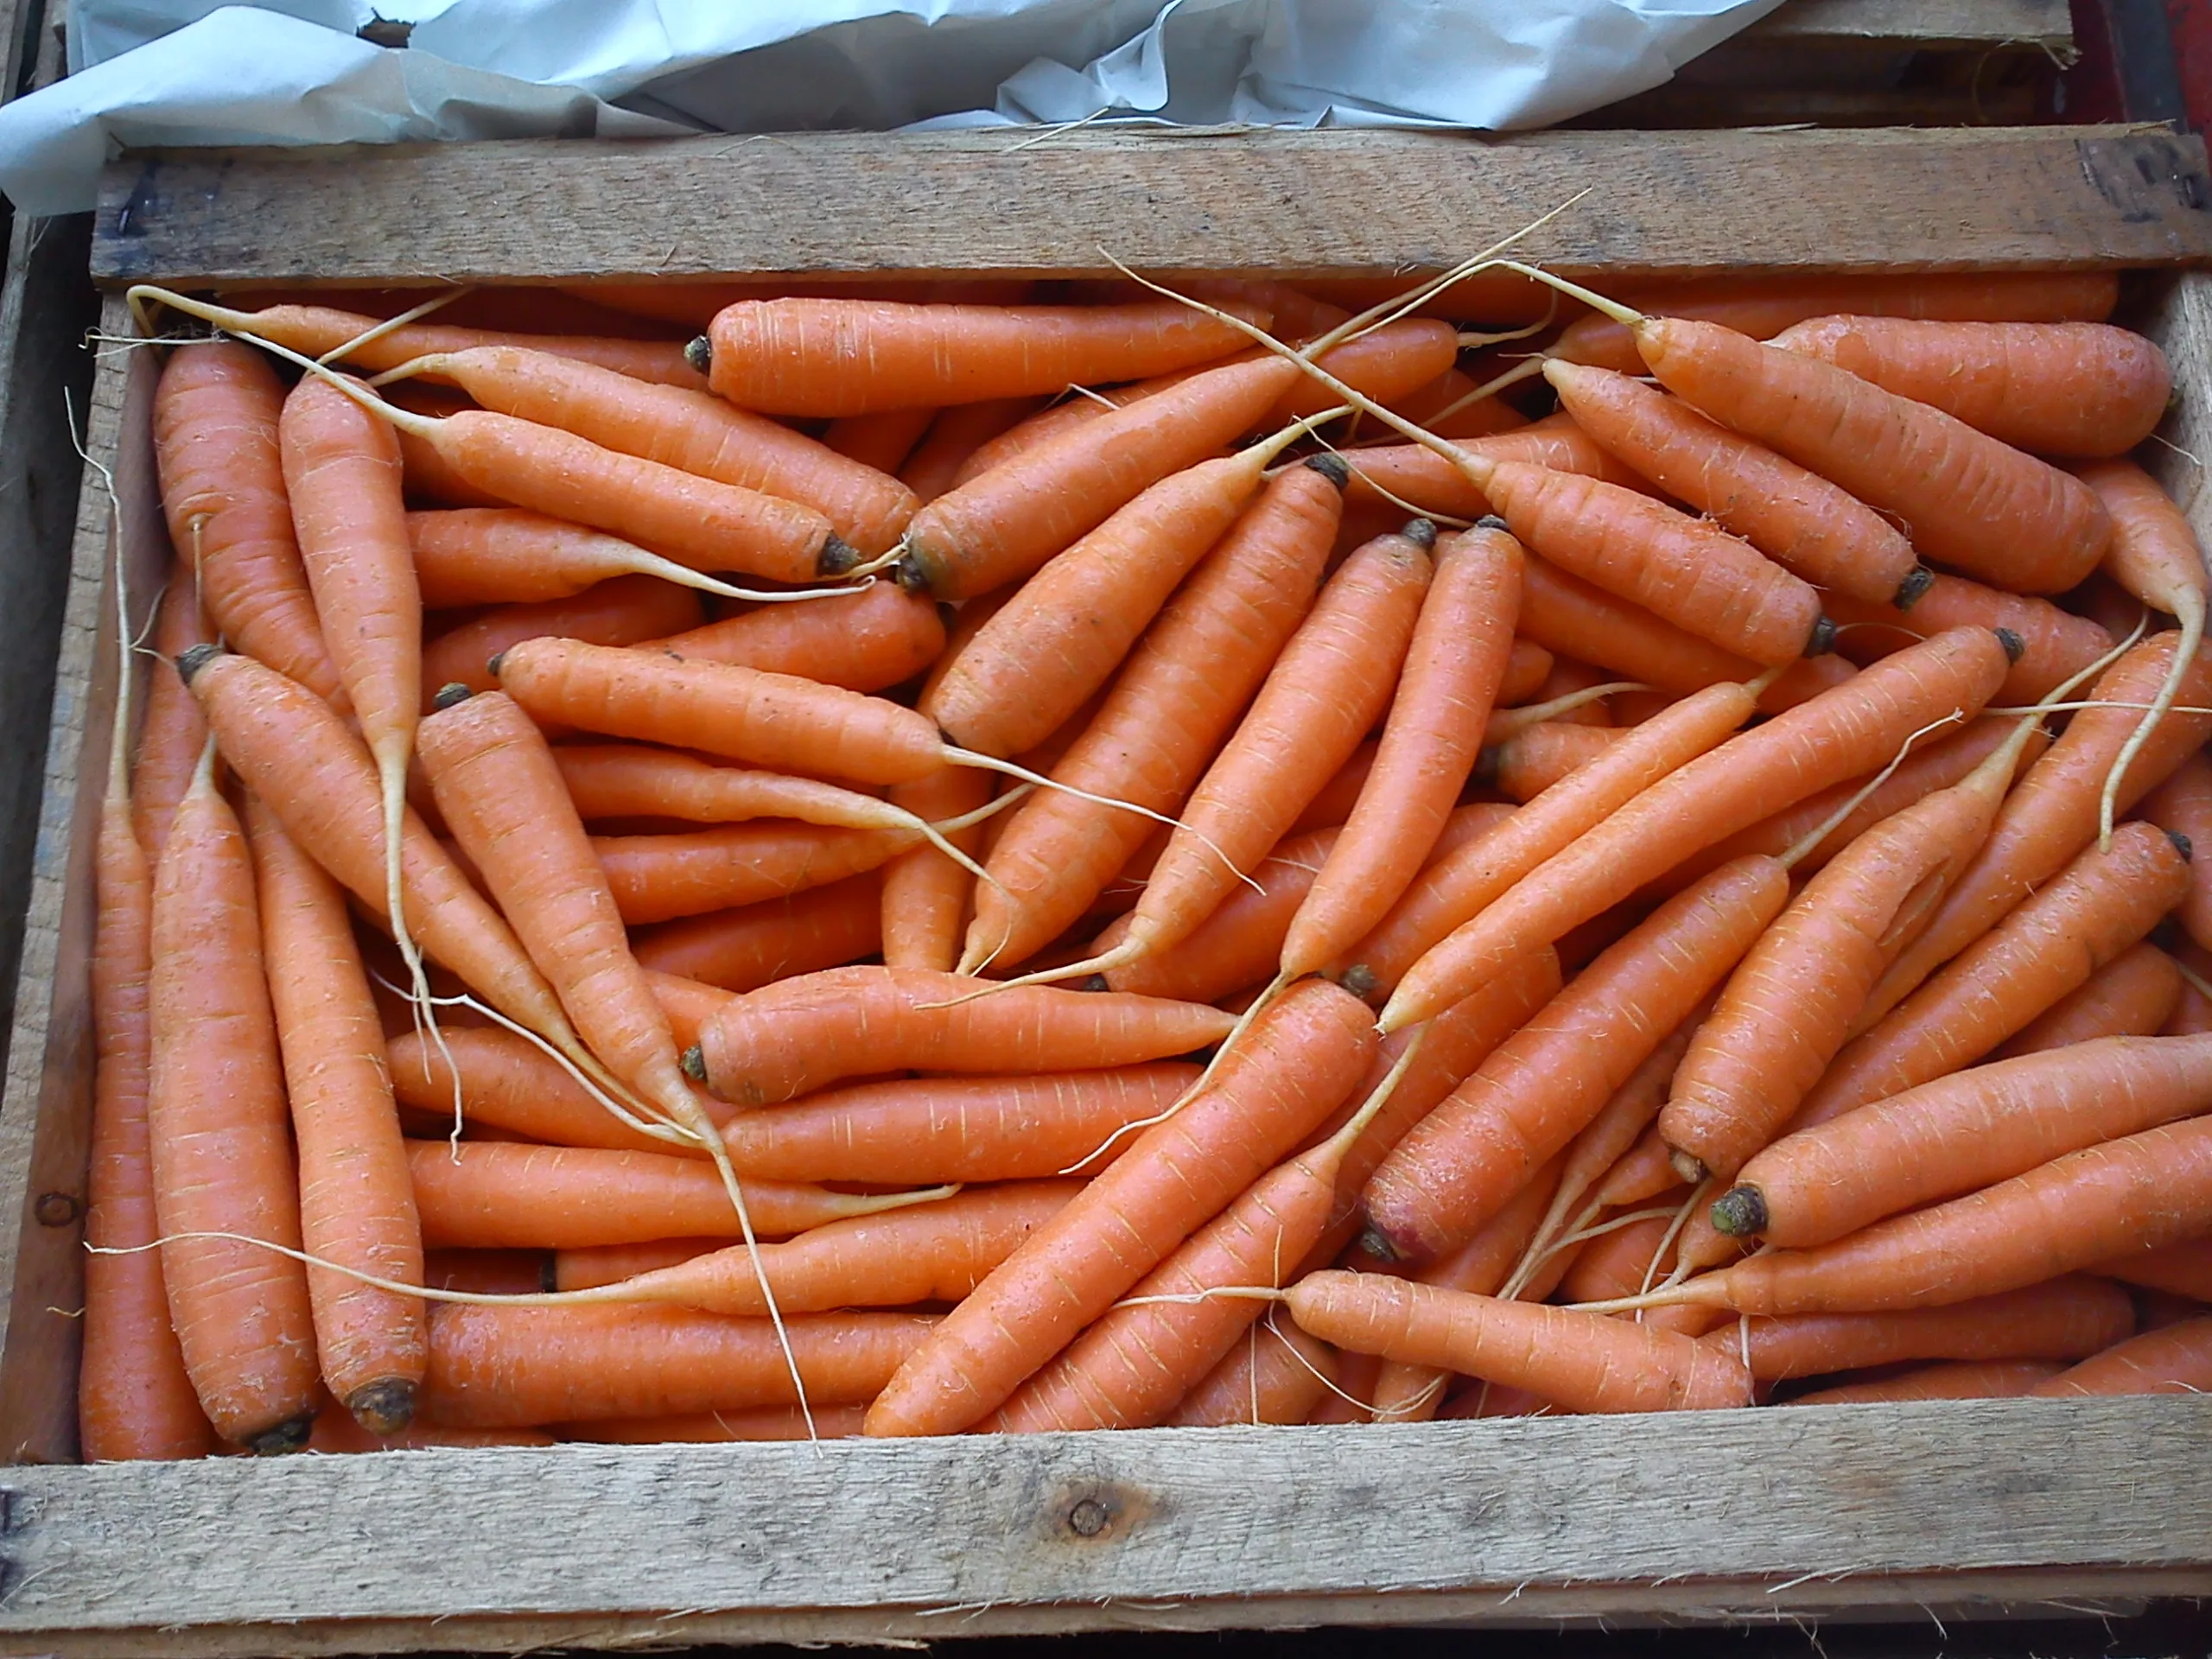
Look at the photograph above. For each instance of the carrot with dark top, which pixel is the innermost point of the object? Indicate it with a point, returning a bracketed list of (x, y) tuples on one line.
[(2055, 644)]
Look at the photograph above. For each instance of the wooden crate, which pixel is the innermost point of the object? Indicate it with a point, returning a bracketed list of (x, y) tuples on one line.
[(1759, 1514)]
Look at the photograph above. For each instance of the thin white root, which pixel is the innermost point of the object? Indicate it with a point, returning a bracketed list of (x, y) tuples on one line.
[(2190, 614)]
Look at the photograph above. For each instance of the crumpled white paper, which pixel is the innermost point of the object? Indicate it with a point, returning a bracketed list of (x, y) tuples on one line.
[(175, 72)]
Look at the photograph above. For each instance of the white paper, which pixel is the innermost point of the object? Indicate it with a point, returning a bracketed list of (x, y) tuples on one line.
[(177, 73)]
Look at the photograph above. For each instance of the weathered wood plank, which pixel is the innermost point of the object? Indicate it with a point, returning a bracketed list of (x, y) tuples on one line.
[(1997, 25), (1300, 203), (1778, 1509), (2181, 322)]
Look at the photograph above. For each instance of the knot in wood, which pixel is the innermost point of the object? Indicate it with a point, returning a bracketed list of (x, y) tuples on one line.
[(57, 1209)]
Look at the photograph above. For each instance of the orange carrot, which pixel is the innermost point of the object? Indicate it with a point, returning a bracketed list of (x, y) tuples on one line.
[(336, 1434), (1298, 1060), (592, 1265), (863, 642), (882, 441), (939, 461), (1277, 1374), (471, 555), (1582, 1362), (1964, 1379), (1533, 759), (618, 612), (1240, 944), (2055, 644), (2067, 1319), (2131, 995), (356, 1207), (496, 1367), (2177, 1359), (508, 1083), (1417, 479), (689, 1005), (923, 894), (2180, 1270), (818, 1423), (173, 734), (488, 1273), (506, 1195), (744, 948), (2051, 388), (1526, 669), (215, 420), (221, 1159), (661, 878), (2183, 806), (1388, 363), (632, 781)]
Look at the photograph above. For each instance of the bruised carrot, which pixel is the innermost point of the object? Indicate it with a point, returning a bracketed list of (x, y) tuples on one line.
[(2133, 995), (744, 948), (2067, 1319), (618, 612)]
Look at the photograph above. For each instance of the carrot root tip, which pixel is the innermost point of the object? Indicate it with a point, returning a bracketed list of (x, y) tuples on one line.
[(700, 354), (195, 659), (1688, 1166), (1917, 581), (385, 1407), (452, 692), (838, 557), (291, 1435), (1331, 466), (2015, 647), (694, 1062), (1422, 532), (1740, 1213), (1823, 640)]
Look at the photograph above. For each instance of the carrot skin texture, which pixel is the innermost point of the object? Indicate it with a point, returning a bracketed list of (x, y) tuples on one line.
[(490, 555), (507, 1082), (314, 330), (1416, 477), (222, 1159), (664, 878), (502, 1367), (2067, 1319), (1277, 1374), (1580, 1361), (622, 611), (2183, 805), (357, 1203), (134, 1398), (216, 411), (2133, 995), (2058, 645), (1964, 1379), (2181, 1269), (1240, 944), (744, 948), (923, 895), (1296, 1061), (2175, 1359), (1465, 1160), (866, 641)]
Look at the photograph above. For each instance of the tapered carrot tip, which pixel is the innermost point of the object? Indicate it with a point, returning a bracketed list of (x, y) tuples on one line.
[(451, 692), (1823, 638), (1740, 1213), (2015, 647), (1421, 533), (694, 1062), (1917, 581), (384, 1407), (838, 556), (700, 354), (195, 659), (291, 1435), (1333, 468)]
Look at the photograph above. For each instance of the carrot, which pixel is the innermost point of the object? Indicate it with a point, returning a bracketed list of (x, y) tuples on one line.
[(2175, 1359), (864, 642), (1178, 694), (744, 948), (215, 420), (2123, 1198), (933, 1253), (509, 1082), (134, 1398), (1543, 1087), (2131, 995), (882, 440), (1527, 667), (1278, 1374), (2050, 388), (2181, 805), (1971, 502), (2181, 1269), (628, 781), (854, 356), (477, 555), (488, 1273), (335, 1433), (1452, 667), (1298, 1060), (1486, 294), (662, 877), (621, 611), (1970, 1130), (955, 1129), (1964, 1379), (717, 1428), (1583, 1362), (924, 895), (1796, 517), (1533, 759), (801, 1034), (592, 1265), (1240, 944), (356, 1207), (1419, 480), (1631, 1254), (2099, 905), (939, 461), (1699, 577), (2155, 556), (689, 1005), (1327, 689), (1329, 809), (341, 472), (1763, 306), (506, 1195), (494, 1366), (693, 431), (2067, 1319), (173, 734), (1004, 523), (1388, 362), (1459, 888), (1062, 635), (215, 1118), (1839, 734), (319, 331), (2055, 644)]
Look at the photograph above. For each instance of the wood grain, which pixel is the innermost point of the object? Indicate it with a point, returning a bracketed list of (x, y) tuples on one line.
[(2027, 25), (1338, 202), (2179, 317), (1778, 1509)]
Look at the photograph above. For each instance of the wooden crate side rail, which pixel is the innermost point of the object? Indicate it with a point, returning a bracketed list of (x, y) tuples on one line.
[(1304, 203)]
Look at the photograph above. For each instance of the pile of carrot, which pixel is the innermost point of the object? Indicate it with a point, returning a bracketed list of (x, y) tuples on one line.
[(1020, 857)]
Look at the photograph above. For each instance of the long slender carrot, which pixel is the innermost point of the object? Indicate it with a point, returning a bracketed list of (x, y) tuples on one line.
[(2049, 388), (2055, 644), (1445, 691), (357, 1206), (1295, 1062), (923, 894), (215, 418), (1841, 734), (1970, 1130), (744, 948), (1277, 1374), (660, 877), (593, 1265), (480, 554), (2067, 1319), (621, 611), (867, 641), (1963, 1379), (2133, 995), (1796, 517), (2177, 1359), (222, 1162), (1419, 480), (2180, 1270), (501, 1367), (507, 1082), (1465, 1160), (628, 780), (1579, 1360), (173, 734)]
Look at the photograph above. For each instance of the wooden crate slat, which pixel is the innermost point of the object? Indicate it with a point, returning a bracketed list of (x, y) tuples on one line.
[(1761, 1507), (1339, 202), (1993, 25)]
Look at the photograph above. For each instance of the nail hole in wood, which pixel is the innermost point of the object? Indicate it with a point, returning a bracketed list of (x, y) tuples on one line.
[(1088, 1517), (57, 1209)]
